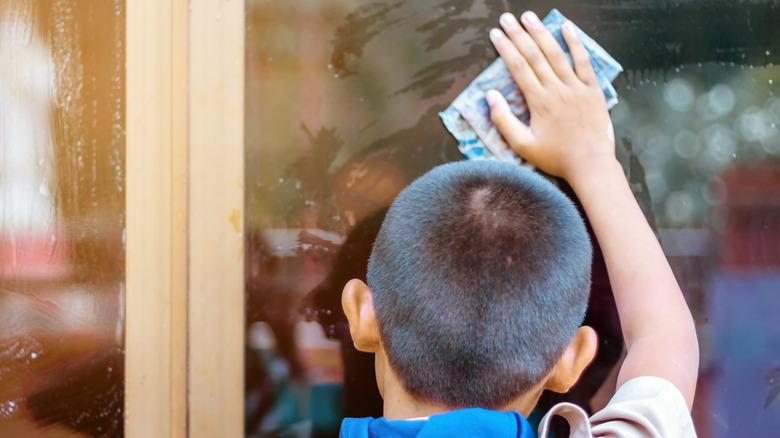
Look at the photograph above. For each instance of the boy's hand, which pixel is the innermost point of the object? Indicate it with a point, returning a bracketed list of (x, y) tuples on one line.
[(570, 125)]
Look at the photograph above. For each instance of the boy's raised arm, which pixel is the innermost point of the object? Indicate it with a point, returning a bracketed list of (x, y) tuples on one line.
[(571, 136)]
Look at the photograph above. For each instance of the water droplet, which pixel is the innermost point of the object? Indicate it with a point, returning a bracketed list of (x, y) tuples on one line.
[(336, 76), (33, 355), (767, 53), (330, 66), (733, 155), (770, 82), (281, 180)]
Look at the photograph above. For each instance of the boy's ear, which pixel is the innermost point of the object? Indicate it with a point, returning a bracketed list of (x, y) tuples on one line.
[(358, 303), (578, 355)]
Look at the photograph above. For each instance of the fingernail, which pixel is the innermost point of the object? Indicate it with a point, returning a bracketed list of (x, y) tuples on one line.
[(508, 20), (569, 27), (490, 96), (530, 19), (496, 34)]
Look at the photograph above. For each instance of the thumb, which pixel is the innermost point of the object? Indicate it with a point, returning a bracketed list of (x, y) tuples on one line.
[(515, 132)]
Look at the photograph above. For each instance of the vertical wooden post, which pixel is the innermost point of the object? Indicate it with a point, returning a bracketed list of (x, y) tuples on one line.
[(216, 196), (180, 217), (156, 271), (185, 314)]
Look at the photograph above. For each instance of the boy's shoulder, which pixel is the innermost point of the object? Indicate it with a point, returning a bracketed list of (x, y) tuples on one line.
[(642, 407)]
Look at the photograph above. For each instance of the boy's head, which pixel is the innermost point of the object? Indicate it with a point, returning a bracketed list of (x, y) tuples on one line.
[(478, 279)]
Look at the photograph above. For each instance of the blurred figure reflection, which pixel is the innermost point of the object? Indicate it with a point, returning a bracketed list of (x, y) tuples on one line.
[(273, 369), (323, 304)]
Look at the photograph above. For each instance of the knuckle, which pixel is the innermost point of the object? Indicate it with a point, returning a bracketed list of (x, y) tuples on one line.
[(559, 58), (515, 62), (495, 116), (569, 99), (542, 106), (583, 60), (532, 56)]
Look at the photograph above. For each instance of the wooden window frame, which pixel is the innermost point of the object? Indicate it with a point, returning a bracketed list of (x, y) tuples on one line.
[(184, 331)]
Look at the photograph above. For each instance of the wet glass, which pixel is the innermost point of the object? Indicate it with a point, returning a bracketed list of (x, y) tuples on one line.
[(341, 113), (62, 218)]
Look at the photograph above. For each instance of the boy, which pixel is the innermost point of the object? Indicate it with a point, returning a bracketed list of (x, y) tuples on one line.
[(478, 279)]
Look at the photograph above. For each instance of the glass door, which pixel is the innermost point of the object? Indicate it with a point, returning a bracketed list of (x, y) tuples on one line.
[(341, 113)]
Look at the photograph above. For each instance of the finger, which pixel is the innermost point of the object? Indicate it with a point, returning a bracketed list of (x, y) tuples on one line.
[(549, 46), (527, 48), (579, 54), (515, 62), (515, 132)]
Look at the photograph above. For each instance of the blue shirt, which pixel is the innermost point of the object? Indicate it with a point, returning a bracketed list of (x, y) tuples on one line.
[(475, 422)]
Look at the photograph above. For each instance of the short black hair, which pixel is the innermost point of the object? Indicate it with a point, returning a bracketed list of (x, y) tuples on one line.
[(480, 276)]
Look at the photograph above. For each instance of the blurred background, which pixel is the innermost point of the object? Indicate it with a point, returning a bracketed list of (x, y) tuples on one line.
[(341, 113)]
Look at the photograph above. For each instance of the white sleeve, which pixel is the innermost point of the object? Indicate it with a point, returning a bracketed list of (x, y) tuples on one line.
[(644, 407)]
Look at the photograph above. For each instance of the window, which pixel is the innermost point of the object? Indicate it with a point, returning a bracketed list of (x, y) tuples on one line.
[(341, 113)]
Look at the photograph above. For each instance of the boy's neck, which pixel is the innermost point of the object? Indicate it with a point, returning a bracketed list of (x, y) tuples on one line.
[(401, 405)]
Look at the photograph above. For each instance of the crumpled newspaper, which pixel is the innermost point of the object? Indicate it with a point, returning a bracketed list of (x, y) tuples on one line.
[(468, 118)]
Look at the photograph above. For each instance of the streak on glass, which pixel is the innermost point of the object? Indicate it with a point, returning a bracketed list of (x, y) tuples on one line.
[(61, 218)]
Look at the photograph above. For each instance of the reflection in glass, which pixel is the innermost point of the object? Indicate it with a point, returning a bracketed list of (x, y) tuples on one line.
[(61, 218), (342, 102)]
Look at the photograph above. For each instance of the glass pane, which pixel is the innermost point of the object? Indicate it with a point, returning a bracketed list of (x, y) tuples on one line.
[(61, 218), (341, 114)]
